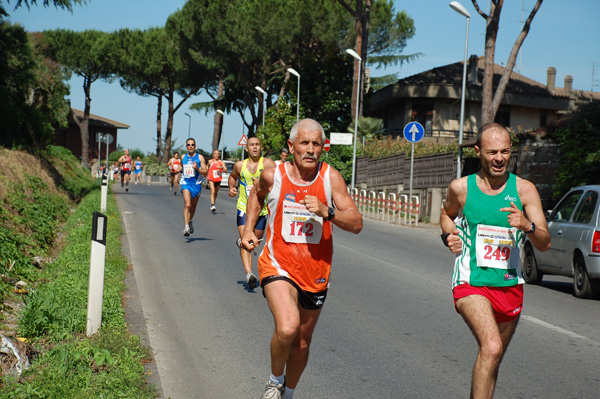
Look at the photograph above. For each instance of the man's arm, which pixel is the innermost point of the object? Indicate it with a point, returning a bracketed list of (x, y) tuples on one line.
[(347, 217), (233, 176), (455, 199), (203, 168), (254, 204), (532, 212)]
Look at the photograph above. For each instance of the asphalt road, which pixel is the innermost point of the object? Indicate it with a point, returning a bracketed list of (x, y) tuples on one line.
[(388, 328)]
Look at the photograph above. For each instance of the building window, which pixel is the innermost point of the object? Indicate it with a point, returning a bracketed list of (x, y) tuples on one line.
[(423, 113)]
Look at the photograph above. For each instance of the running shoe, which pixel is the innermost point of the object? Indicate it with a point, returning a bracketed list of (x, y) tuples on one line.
[(213, 209), (191, 228), (175, 192), (273, 390), (127, 189), (186, 231), (251, 280), (171, 188)]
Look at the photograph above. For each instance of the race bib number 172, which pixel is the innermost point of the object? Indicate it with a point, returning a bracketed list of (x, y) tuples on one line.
[(299, 225)]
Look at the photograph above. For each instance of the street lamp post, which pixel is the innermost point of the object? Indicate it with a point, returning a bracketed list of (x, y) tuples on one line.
[(358, 89), (294, 72), (264, 93), (190, 124), (456, 6)]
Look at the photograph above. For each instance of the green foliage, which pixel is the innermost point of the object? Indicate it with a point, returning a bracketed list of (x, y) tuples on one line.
[(340, 157), (579, 143), (108, 365), (368, 128), (278, 123), (29, 220), (68, 172), (32, 91), (154, 167)]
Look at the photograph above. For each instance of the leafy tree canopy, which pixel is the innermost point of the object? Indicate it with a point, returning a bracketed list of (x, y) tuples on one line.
[(579, 143)]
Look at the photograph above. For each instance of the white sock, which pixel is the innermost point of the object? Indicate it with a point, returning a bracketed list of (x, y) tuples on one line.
[(288, 393), (278, 379)]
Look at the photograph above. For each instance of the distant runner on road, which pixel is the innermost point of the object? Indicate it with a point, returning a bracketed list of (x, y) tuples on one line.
[(138, 169), (174, 165), (216, 167), (498, 210), (125, 162), (305, 199), (248, 172), (194, 167)]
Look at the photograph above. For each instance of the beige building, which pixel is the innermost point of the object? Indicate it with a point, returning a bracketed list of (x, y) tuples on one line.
[(432, 98)]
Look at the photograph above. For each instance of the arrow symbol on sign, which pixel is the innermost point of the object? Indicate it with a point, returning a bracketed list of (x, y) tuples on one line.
[(414, 130)]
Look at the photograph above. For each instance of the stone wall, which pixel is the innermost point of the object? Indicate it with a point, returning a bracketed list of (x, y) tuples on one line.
[(538, 162)]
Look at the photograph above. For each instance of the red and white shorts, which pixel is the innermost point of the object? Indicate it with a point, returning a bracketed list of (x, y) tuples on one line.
[(507, 302)]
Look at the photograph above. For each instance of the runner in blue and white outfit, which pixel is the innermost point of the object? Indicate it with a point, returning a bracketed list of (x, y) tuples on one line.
[(138, 169), (194, 167)]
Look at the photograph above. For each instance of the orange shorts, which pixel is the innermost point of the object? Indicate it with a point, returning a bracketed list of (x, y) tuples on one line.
[(507, 302)]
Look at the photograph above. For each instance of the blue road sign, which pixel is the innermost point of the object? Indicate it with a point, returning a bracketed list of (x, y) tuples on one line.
[(414, 132)]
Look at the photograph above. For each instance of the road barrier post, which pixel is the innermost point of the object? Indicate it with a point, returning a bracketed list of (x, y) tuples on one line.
[(104, 192), (96, 279)]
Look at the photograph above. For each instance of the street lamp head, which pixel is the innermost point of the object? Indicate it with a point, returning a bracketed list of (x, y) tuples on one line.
[(456, 6), (186, 114), (293, 72), (260, 89), (353, 54)]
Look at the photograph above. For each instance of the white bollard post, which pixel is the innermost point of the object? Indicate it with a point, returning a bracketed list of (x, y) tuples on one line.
[(96, 280), (363, 201), (391, 207), (403, 207), (372, 201), (381, 204), (415, 209), (104, 192)]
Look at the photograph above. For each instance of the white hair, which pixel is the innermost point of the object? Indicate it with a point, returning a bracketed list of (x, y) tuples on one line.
[(311, 125)]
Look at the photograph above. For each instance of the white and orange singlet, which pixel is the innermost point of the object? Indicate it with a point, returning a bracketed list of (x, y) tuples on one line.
[(299, 244)]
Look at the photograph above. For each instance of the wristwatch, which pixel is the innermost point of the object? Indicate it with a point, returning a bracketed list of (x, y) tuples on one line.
[(444, 238), (532, 230), (330, 214)]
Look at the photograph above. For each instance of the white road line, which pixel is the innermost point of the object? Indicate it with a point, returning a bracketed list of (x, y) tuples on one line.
[(555, 328)]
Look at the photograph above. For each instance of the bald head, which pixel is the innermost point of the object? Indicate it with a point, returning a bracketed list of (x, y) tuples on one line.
[(310, 125), (490, 127)]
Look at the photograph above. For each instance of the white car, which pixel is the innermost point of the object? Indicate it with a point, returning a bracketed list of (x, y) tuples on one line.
[(229, 165), (574, 226)]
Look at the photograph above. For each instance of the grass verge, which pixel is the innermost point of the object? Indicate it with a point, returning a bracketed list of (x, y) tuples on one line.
[(66, 363)]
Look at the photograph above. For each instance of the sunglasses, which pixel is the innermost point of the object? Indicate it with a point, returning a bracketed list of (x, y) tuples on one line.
[(191, 145)]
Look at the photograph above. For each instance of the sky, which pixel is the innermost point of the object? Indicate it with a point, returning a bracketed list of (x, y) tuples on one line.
[(564, 35)]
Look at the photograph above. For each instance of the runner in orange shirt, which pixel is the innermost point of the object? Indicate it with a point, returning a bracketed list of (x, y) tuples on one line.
[(305, 198), (174, 165), (216, 167)]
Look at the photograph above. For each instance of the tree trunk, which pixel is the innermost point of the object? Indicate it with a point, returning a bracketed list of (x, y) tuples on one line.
[(491, 101), (169, 133), (159, 128), (84, 125), (218, 125), (362, 15)]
